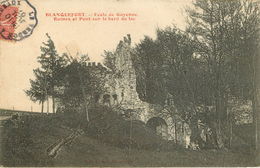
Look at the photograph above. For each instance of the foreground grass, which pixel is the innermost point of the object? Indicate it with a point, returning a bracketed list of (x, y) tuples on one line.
[(25, 143), (87, 152)]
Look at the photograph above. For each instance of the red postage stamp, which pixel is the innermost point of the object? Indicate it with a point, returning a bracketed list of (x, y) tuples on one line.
[(8, 15)]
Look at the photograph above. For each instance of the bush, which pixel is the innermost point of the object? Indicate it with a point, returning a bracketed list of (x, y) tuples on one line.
[(16, 140), (74, 121), (108, 126)]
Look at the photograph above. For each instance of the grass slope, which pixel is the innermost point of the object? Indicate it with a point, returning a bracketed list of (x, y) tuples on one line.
[(88, 152), (25, 141)]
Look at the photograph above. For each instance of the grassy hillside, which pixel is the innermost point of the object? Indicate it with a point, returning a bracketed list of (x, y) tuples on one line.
[(106, 141)]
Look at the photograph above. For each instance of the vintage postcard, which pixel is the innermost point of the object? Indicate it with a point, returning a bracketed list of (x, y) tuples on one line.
[(127, 83)]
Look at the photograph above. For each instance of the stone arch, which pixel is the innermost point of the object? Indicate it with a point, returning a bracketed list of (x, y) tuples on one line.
[(158, 125)]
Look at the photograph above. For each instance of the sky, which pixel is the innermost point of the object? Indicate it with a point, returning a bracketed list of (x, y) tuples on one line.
[(92, 37)]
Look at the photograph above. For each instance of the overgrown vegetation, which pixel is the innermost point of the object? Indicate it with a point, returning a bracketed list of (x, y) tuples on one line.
[(25, 140), (201, 71), (110, 127), (106, 138), (204, 75)]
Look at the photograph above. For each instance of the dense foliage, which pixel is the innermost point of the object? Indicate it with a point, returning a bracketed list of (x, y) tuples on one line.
[(205, 69)]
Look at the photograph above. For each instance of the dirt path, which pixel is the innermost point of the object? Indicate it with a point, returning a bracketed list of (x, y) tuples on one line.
[(4, 117), (53, 150)]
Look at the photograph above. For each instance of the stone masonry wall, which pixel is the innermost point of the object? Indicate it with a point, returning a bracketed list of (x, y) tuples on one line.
[(122, 83)]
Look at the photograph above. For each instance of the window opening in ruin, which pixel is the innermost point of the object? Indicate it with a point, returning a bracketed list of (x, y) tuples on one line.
[(114, 96), (97, 97), (106, 99), (115, 99)]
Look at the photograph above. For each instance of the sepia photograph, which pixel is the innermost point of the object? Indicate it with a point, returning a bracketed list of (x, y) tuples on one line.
[(127, 83)]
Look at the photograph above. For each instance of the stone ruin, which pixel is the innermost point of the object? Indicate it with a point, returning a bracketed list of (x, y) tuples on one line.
[(121, 94)]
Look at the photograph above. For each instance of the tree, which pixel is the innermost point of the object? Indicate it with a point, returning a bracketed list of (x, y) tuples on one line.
[(38, 90), (52, 64), (50, 77), (148, 63), (215, 60), (109, 60), (167, 70), (222, 30), (81, 83)]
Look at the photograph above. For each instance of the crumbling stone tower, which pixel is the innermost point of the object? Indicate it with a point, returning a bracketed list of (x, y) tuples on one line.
[(126, 74), (121, 94)]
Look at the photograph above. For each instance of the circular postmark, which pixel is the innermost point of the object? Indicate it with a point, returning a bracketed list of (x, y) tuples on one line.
[(18, 19)]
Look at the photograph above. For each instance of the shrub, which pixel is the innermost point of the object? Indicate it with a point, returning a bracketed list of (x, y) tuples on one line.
[(108, 126), (16, 140)]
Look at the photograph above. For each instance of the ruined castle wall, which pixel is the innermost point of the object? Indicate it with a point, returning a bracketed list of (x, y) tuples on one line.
[(123, 84)]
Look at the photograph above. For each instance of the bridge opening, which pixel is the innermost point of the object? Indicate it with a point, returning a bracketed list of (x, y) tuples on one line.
[(158, 125)]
